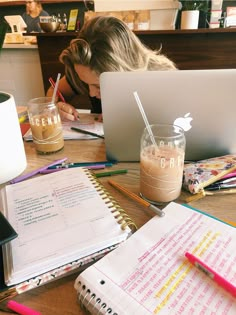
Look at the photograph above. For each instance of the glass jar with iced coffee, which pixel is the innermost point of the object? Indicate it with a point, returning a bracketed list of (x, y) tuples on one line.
[(45, 123)]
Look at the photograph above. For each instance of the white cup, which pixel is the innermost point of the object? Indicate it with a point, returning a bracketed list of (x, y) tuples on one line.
[(189, 19)]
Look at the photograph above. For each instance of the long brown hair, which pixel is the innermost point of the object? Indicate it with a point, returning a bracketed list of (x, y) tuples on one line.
[(105, 43)]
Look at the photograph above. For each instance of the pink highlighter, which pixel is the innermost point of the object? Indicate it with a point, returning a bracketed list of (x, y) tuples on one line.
[(21, 309)]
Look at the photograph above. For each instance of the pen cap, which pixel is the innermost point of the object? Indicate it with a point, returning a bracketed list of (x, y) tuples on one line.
[(12, 158)]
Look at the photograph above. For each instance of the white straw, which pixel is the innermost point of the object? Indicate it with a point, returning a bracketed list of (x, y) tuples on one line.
[(144, 117), (56, 88)]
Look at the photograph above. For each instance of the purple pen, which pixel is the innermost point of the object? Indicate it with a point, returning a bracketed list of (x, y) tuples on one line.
[(37, 171), (49, 171), (95, 167)]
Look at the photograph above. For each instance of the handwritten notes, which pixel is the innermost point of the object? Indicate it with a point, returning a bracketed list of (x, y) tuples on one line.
[(59, 218), (150, 275)]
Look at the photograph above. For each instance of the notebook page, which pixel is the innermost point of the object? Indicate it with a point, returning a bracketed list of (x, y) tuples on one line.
[(87, 122), (148, 274), (59, 217)]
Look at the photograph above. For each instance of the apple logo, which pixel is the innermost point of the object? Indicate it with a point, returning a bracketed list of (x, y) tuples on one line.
[(184, 122)]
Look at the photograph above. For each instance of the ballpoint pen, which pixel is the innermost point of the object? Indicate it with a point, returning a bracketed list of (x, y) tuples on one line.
[(37, 171), (89, 167), (222, 184), (87, 132), (135, 197), (211, 273), (85, 164)]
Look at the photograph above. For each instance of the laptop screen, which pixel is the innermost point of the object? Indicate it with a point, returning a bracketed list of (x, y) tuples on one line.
[(201, 101)]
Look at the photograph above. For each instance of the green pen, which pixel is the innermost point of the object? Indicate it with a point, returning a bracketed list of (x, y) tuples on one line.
[(103, 174)]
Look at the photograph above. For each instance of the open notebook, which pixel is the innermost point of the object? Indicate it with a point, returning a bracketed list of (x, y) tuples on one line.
[(63, 220), (149, 273), (88, 122)]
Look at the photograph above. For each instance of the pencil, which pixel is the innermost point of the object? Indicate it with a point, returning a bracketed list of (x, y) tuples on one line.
[(221, 192), (58, 92), (87, 132), (135, 197)]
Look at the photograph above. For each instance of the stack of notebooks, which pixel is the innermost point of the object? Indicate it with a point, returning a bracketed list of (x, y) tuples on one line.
[(64, 221)]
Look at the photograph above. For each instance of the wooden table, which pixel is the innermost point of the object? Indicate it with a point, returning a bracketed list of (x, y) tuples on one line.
[(59, 297)]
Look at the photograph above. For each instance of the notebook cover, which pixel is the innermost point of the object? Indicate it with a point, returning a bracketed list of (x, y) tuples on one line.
[(24, 128), (7, 233)]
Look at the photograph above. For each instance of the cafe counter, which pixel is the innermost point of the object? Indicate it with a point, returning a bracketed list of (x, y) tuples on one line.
[(189, 49), (21, 73)]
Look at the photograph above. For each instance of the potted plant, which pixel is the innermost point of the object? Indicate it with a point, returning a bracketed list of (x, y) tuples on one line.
[(194, 13), (192, 5)]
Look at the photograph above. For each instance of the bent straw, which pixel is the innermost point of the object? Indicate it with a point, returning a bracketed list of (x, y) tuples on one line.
[(56, 87), (144, 117)]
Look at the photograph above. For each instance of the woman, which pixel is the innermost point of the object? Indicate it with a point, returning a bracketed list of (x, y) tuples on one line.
[(104, 43), (31, 17)]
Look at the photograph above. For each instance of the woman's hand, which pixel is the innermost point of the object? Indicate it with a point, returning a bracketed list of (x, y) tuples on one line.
[(100, 118), (67, 111)]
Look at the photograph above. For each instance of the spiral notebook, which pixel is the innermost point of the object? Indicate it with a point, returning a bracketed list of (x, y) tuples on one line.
[(149, 273), (63, 220)]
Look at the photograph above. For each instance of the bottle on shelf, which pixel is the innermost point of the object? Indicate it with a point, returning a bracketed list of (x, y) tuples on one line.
[(64, 22), (59, 21)]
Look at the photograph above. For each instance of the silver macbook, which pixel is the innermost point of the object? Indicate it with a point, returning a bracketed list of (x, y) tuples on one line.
[(203, 102)]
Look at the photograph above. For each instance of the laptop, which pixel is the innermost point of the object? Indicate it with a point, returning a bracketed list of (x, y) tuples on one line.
[(203, 102)]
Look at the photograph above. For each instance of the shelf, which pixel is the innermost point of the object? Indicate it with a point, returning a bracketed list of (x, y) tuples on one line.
[(15, 3), (154, 32)]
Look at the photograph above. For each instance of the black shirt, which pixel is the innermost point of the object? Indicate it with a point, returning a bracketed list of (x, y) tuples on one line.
[(96, 105)]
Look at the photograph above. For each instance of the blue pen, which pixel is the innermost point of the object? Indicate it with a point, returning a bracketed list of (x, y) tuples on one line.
[(90, 167), (70, 165), (222, 184)]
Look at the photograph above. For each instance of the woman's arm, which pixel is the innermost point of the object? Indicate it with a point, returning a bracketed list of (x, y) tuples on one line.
[(67, 111)]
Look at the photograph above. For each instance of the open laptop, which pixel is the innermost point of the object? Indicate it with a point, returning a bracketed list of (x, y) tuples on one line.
[(203, 99)]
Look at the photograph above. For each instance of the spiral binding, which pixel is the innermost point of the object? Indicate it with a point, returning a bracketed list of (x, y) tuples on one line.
[(119, 214), (92, 304)]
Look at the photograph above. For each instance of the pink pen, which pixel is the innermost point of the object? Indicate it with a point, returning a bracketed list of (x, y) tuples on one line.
[(230, 175), (211, 273), (21, 309)]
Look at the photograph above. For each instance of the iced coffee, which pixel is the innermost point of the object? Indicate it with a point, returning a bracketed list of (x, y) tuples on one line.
[(162, 163), (46, 127)]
